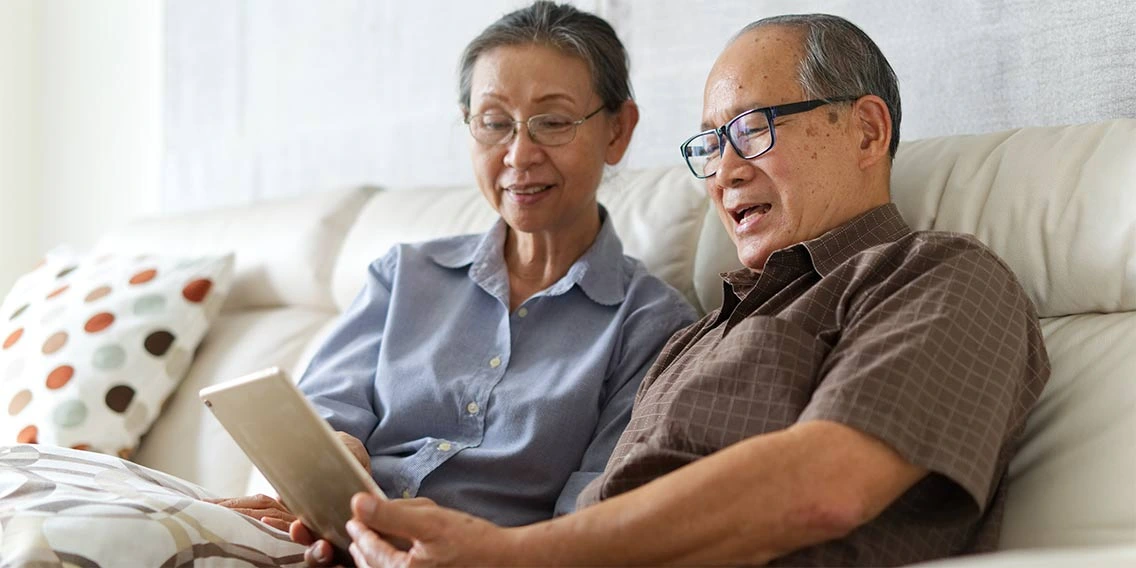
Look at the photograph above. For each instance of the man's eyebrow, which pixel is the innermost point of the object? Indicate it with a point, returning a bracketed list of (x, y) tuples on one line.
[(733, 112)]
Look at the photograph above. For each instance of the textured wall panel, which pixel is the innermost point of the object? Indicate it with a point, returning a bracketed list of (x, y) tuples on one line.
[(268, 98)]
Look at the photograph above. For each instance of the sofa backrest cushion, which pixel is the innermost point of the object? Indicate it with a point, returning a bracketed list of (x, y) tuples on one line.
[(285, 249), (657, 213)]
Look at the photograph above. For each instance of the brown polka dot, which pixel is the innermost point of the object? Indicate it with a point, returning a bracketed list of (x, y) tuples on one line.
[(19, 402), (99, 322), (29, 435), (125, 453), (57, 292), (100, 292), (60, 376), (66, 271), (17, 313), (158, 343), (82, 447), (118, 398), (55, 342), (197, 290), (144, 276), (13, 338)]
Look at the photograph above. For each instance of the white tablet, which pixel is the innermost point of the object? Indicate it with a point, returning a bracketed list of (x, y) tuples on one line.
[(296, 450)]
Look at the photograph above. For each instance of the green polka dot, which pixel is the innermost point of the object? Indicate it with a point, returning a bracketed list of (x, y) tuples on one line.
[(70, 413), (109, 358), (149, 305)]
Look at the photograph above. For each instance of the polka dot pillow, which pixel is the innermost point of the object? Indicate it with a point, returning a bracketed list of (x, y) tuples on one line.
[(91, 347)]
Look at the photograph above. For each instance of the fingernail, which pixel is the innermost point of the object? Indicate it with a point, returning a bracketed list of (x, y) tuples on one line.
[(365, 504), (354, 528)]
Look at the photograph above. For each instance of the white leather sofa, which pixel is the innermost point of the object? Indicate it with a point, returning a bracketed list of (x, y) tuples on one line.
[(1058, 204)]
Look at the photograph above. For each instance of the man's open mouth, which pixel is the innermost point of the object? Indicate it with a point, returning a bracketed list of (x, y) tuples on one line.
[(760, 209)]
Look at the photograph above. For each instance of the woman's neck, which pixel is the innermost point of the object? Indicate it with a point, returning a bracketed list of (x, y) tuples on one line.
[(537, 260)]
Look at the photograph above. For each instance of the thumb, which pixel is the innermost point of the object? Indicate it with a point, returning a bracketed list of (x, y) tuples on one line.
[(412, 521)]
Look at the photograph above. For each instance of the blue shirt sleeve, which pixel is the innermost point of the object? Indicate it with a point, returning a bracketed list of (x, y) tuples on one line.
[(340, 379), (646, 330)]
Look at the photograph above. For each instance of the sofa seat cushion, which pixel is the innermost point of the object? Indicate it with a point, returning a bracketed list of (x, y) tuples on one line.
[(187, 441)]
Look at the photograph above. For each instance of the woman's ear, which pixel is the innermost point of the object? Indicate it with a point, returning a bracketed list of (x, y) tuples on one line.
[(623, 125), (873, 122)]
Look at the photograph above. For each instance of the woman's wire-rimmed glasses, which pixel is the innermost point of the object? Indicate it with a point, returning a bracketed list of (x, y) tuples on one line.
[(545, 129), (751, 134)]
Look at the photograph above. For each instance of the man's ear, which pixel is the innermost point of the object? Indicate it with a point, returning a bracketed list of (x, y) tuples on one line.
[(623, 125), (873, 122)]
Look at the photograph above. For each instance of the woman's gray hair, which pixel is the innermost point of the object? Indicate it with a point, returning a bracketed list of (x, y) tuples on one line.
[(566, 29), (840, 59)]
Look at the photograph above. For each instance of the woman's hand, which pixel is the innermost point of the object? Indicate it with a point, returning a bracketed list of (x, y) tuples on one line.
[(356, 448), (268, 510)]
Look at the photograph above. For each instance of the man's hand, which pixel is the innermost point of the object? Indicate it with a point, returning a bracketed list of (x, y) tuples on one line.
[(356, 448), (262, 507), (434, 536)]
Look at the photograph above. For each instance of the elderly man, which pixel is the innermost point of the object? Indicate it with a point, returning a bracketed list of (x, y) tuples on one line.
[(856, 399)]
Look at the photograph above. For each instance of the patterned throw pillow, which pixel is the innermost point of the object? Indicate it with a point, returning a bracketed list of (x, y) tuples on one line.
[(91, 347), (60, 507)]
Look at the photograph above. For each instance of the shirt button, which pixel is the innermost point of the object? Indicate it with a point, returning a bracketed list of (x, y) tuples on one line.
[(495, 362), (444, 446), (472, 408), (522, 312), (406, 494)]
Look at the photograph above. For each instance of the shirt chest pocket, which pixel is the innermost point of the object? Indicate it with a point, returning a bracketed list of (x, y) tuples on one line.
[(755, 379)]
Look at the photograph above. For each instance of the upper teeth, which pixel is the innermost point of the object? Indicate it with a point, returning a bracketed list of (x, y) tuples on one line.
[(529, 190)]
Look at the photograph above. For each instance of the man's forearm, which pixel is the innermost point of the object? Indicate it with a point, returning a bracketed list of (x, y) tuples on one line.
[(749, 503)]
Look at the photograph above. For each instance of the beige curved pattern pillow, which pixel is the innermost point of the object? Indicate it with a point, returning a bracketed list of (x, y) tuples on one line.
[(61, 507), (91, 347)]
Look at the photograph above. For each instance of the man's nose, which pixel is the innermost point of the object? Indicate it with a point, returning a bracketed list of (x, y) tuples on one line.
[(523, 152), (733, 169)]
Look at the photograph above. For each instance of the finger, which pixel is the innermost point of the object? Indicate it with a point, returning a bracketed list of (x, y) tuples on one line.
[(300, 533), (367, 549), (319, 554), (278, 524), (415, 522)]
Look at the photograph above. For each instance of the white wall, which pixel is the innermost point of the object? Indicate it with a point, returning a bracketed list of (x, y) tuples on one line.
[(80, 122), (102, 116), (20, 138)]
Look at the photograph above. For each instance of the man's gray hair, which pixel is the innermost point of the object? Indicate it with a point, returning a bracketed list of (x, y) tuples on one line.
[(566, 29), (840, 59)]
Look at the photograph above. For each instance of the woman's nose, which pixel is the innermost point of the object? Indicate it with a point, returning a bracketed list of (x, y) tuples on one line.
[(523, 152)]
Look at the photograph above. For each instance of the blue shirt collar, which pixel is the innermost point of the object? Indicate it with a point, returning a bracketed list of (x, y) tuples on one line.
[(599, 272)]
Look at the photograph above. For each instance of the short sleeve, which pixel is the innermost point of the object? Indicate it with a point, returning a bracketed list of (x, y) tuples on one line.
[(935, 363)]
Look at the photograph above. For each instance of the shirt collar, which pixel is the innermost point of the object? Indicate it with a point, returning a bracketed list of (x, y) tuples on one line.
[(598, 272), (824, 253)]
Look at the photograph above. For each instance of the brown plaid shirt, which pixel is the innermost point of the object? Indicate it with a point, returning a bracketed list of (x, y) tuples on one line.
[(924, 340)]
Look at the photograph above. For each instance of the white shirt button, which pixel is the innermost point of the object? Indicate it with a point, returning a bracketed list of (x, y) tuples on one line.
[(495, 362), (445, 446), (406, 494), (522, 312), (472, 408)]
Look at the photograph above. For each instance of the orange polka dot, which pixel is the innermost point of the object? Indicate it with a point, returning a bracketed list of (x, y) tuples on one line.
[(81, 447), (60, 376), (125, 453), (13, 338), (57, 292), (197, 290), (100, 292), (144, 276), (99, 322), (29, 435)]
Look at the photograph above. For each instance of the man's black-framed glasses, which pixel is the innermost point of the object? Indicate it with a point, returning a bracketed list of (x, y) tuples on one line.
[(552, 129), (751, 134)]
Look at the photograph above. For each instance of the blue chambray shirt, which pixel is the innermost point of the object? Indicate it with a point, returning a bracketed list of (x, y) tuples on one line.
[(504, 415)]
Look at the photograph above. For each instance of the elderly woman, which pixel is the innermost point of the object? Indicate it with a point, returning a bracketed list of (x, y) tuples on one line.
[(494, 373)]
